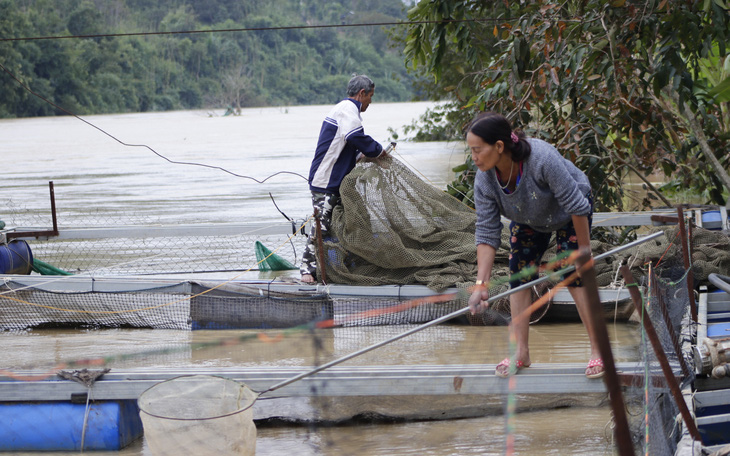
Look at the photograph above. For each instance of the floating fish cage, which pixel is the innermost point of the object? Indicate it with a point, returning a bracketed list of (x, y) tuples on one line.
[(188, 277), (172, 303), (36, 302)]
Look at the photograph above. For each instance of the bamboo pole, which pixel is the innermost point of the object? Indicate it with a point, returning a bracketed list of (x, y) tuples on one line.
[(622, 433), (321, 270)]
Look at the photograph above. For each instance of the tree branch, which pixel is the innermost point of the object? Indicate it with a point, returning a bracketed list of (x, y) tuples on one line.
[(694, 126), (644, 179)]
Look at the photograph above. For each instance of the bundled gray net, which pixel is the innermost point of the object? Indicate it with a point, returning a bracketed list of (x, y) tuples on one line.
[(710, 252), (393, 228)]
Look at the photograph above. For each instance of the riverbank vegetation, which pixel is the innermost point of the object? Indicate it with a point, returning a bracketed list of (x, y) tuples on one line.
[(157, 72), (620, 87)]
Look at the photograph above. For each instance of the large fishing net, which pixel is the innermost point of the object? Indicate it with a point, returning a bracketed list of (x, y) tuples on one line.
[(394, 228)]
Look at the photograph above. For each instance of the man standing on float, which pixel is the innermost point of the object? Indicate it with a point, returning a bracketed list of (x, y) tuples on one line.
[(342, 142)]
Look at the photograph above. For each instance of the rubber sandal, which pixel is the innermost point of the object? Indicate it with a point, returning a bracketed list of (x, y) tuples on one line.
[(503, 368), (598, 362)]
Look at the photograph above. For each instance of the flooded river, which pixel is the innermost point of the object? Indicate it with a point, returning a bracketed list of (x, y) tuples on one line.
[(100, 181)]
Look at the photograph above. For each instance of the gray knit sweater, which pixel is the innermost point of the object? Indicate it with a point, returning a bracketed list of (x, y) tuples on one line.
[(551, 190)]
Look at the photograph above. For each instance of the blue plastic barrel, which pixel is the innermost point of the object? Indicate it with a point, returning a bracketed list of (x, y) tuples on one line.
[(16, 258), (59, 425)]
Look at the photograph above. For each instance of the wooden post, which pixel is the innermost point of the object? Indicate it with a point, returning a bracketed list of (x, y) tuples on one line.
[(321, 270), (661, 356), (687, 265), (53, 208), (622, 433)]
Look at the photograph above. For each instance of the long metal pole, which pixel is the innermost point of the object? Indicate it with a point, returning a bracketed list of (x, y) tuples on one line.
[(660, 355), (450, 316)]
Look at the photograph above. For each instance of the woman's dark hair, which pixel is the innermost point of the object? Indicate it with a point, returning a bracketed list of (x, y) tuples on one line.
[(493, 127)]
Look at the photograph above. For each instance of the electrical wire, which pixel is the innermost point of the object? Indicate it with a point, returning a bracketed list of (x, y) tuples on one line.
[(29, 90), (255, 29)]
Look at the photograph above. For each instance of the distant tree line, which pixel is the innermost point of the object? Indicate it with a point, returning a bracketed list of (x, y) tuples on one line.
[(195, 70)]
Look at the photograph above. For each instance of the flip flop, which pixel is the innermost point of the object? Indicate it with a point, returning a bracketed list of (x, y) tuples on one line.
[(503, 368), (598, 362)]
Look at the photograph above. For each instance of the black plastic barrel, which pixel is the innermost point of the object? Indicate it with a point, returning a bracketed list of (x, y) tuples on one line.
[(16, 258)]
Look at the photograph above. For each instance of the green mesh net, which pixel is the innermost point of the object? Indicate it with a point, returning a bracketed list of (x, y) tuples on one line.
[(394, 228), (269, 261)]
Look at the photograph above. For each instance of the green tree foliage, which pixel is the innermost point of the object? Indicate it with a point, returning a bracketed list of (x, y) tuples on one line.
[(619, 87), (196, 70)]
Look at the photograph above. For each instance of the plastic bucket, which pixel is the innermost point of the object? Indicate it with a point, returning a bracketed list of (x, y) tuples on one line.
[(16, 258), (712, 220), (199, 414)]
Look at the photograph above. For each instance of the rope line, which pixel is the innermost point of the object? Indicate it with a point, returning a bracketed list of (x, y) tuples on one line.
[(425, 178), (646, 357), (669, 245)]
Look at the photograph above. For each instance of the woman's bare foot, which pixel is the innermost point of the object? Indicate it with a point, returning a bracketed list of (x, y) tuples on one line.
[(307, 278)]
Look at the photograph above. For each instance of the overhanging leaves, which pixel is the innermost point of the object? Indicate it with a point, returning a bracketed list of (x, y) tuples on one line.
[(590, 77)]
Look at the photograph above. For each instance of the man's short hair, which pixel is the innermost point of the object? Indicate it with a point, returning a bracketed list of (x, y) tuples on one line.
[(358, 83)]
